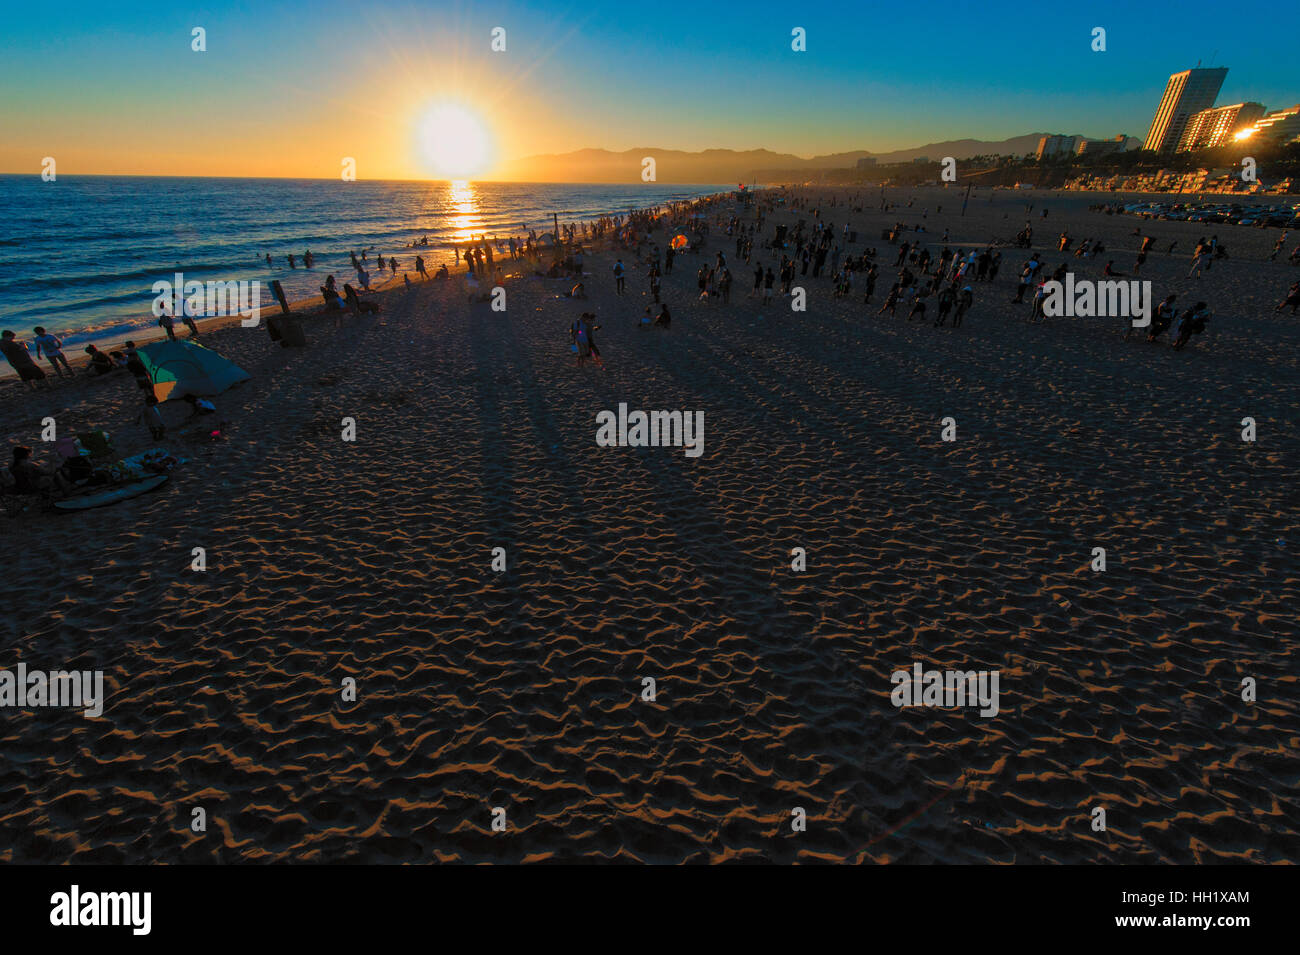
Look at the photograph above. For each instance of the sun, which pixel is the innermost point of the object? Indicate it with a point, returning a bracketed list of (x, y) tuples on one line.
[(453, 142)]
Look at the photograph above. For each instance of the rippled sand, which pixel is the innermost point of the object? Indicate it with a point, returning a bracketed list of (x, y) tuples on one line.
[(522, 689)]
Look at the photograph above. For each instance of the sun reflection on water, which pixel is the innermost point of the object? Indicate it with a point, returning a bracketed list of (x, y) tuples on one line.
[(464, 217)]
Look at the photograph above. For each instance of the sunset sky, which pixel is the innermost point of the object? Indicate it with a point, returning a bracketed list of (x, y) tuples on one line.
[(290, 89)]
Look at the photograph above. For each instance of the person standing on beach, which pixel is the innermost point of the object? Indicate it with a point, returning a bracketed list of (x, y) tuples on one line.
[(1277, 246), (53, 351), (167, 324), (619, 280), (135, 365), (758, 281), (768, 281), (16, 354), (419, 268), (1026, 277)]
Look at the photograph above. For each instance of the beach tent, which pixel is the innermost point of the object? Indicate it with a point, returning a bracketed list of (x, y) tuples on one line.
[(184, 368)]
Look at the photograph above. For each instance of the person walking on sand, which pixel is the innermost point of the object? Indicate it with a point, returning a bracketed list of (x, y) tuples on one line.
[(419, 268), (1193, 322), (16, 354), (768, 280), (619, 279), (52, 348), (1292, 299), (168, 325), (1164, 318), (945, 302), (1277, 246), (891, 300), (188, 321), (1200, 261)]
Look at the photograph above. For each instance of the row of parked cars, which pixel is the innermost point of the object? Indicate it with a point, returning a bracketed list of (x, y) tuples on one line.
[(1287, 217)]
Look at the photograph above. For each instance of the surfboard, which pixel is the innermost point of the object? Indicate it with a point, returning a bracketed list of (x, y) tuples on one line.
[(111, 495)]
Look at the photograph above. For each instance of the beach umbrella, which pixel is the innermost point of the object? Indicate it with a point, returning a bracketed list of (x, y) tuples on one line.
[(679, 241)]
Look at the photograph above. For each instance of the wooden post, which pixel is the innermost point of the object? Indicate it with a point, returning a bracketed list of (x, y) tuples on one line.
[(278, 291)]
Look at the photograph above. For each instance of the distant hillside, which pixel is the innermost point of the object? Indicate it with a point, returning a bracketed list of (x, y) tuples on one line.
[(730, 165)]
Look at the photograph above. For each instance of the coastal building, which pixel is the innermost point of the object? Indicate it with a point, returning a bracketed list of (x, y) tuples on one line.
[(866, 162), (1282, 126), (1051, 146), (1218, 125), (1186, 93), (1101, 147)]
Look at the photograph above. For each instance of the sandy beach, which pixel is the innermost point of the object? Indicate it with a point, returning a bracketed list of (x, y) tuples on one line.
[(522, 689)]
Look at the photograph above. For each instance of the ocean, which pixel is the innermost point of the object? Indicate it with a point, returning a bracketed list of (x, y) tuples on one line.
[(79, 255)]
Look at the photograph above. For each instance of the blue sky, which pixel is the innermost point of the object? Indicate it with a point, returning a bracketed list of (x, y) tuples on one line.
[(120, 82)]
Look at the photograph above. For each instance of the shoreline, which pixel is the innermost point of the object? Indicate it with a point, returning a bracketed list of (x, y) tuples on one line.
[(434, 256)]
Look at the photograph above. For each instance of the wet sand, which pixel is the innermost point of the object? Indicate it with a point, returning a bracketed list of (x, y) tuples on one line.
[(522, 690)]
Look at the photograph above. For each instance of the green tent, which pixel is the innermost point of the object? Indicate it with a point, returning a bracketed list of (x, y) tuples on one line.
[(184, 368)]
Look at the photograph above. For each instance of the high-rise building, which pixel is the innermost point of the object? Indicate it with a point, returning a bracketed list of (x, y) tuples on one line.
[(1282, 126), (1186, 93), (1218, 125), (1099, 147), (1049, 146)]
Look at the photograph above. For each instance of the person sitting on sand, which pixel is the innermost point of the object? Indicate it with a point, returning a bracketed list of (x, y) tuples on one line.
[(31, 478), (442, 274), (100, 363), (663, 319), (136, 366), (16, 354)]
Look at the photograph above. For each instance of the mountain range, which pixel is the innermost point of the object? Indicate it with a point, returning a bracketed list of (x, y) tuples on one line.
[(730, 165)]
